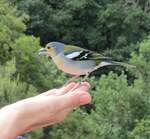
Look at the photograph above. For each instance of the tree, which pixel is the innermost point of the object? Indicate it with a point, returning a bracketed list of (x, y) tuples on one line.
[(117, 108), (111, 26), (142, 130), (35, 69), (11, 27), (12, 90), (141, 59), (120, 108)]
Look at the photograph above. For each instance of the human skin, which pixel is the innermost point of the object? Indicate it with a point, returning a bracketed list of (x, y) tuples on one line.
[(45, 109)]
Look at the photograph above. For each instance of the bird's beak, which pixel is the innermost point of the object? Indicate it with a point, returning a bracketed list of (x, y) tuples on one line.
[(43, 51)]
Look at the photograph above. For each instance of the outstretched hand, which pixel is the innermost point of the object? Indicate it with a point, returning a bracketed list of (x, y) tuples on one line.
[(45, 109)]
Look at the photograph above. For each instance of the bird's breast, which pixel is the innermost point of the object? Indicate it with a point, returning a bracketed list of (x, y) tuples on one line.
[(73, 67)]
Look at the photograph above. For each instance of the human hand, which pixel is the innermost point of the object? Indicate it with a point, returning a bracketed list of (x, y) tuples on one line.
[(45, 109)]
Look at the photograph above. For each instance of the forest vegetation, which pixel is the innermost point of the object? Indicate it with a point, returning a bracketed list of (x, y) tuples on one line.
[(120, 29)]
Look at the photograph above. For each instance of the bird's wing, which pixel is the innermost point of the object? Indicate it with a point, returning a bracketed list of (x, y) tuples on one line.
[(80, 54), (77, 53)]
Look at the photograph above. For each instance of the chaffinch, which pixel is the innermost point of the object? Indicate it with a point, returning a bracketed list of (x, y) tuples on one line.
[(75, 60)]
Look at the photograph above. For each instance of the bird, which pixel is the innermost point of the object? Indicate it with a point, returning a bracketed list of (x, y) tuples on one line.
[(77, 61)]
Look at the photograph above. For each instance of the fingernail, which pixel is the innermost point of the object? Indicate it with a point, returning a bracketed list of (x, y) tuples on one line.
[(84, 87), (85, 99)]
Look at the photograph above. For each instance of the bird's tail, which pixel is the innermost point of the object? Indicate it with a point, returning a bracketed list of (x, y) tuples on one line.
[(115, 63), (127, 66)]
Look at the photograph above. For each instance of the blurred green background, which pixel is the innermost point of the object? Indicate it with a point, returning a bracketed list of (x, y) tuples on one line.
[(120, 29)]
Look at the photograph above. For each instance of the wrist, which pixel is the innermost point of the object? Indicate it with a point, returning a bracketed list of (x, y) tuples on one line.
[(8, 123)]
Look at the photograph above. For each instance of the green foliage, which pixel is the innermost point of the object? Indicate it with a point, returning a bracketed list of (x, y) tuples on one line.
[(142, 130), (118, 107), (12, 90), (113, 26), (121, 110), (32, 68), (141, 58), (11, 26), (35, 134)]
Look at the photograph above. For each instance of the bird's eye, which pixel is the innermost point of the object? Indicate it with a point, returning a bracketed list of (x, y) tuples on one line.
[(48, 47)]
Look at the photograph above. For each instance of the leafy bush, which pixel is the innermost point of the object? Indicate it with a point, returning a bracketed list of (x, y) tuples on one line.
[(117, 108), (142, 130), (35, 69), (113, 26), (12, 90), (121, 106), (11, 27)]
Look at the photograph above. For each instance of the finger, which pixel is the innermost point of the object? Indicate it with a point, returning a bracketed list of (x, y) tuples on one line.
[(72, 99), (65, 89), (61, 91), (81, 86)]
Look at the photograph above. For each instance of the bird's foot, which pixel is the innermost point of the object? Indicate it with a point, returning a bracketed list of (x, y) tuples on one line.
[(79, 83), (85, 77)]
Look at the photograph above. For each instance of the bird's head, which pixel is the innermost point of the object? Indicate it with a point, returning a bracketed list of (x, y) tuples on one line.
[(52, 49)]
